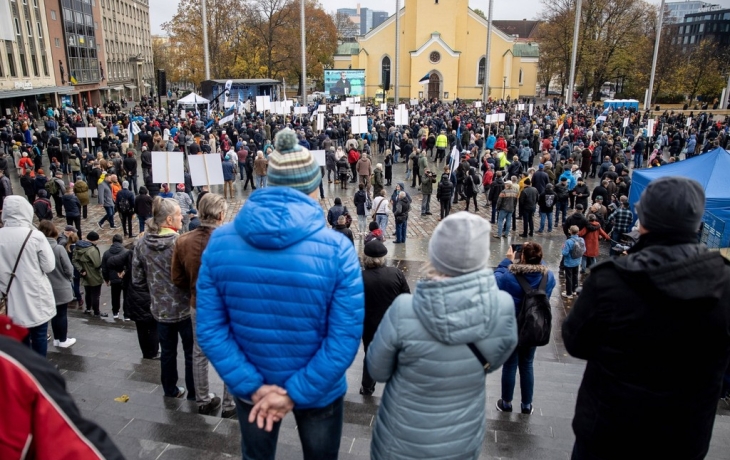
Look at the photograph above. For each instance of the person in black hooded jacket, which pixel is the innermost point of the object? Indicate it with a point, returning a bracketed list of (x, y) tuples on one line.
[(137, 305), (642, 385), (494, 191), (443, 194), (113, 263)]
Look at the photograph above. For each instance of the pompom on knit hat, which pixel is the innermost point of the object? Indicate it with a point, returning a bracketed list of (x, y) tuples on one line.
[(291, 165)]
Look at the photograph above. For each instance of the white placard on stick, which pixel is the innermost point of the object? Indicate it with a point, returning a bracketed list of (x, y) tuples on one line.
[(359, 124), (384, 107), (263, 103), (650, 128), (520, 106), (356, 98), (322, 108), (478, 104), (168, 167), (626, 122), (414, 102), (319, 156), (85, 132), (320, 122), (532, 107), (206, 169), (689, 122), (183, 114), (301, 110), (501, 117)]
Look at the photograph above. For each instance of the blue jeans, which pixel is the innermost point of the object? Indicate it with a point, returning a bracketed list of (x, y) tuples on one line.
[(109, 216), (522, 357), (168, 333), (543, 217), (37, 339), (382, 220), (241, 168), (638, 160), (260, 181), (320, 431), (400, 231), (142, 220), (561, 207), (502, 217)]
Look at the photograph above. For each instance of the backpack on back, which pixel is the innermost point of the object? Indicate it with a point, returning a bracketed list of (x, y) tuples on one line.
[(51, 187), (534, 322), (578, 249), (124, 205)]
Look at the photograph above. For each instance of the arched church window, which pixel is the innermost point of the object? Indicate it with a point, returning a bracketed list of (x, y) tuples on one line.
[(481, 71)]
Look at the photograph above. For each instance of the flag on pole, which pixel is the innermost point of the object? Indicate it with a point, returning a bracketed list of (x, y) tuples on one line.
[(73, 80), (425, 79)]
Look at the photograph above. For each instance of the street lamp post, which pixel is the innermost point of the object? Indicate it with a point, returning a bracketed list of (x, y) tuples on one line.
[(206, 58), (574, 56), (485, 93), (304, 57), (396, 96), (656, 52)]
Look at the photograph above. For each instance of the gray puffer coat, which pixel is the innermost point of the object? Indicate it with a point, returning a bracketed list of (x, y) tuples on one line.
[(434, 402)]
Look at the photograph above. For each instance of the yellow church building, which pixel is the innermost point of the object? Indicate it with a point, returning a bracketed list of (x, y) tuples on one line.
[(446, 40)]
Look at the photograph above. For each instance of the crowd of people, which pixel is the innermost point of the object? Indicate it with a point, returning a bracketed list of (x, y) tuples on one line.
[(282, 336)]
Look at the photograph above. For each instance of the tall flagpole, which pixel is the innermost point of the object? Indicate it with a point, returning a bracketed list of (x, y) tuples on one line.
[(571, 84), (656, 53), (206, 58), (304, 58), (485, 93), (397, 52)]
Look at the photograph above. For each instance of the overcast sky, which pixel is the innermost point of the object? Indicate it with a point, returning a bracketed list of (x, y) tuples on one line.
[(162, 10)]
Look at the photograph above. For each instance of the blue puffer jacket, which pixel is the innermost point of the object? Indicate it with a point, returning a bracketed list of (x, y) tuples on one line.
[(280, 300)]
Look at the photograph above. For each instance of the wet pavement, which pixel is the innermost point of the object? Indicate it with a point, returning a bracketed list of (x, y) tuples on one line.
[(106, 363)]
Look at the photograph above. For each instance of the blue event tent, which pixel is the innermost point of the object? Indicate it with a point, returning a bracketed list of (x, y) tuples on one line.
[(710, 170)]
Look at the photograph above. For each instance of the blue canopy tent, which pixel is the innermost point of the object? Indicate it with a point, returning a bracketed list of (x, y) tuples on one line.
[(710, 170)]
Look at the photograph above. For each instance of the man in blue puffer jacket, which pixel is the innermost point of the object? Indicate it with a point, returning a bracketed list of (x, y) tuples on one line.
[(282, 332)]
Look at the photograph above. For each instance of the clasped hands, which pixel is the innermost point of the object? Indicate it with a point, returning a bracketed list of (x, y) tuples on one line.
[(271, 404)]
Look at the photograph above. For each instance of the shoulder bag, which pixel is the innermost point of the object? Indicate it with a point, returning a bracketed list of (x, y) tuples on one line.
[(4, 296)]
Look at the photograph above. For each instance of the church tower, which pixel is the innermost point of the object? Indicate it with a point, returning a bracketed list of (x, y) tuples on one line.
[(424, 17)]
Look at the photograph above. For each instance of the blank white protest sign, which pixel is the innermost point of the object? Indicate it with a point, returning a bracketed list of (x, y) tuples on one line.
[(168, 168), (206, 169)]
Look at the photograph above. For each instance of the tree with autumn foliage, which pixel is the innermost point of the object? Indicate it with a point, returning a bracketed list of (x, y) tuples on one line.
[(249, 39)]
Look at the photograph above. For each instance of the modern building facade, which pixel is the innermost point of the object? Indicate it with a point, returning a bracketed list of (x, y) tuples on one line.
[(447, 42), (128, 45), (76, 49), (26, 76), (678, 10), (708, 24), (364, 18)]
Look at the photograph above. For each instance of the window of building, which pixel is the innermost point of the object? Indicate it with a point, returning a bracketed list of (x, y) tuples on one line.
[(45, 65), (692, 39), (702, 28), (521, 75), (57, 42), (481, 71), (23, 65), (29, 28), (96, 25), (385, 71), (11, 65), (681, 30), (686, 39), (25, 2), (53, 15), (34, 61), (35, 3), (40, 29), (17, 26)]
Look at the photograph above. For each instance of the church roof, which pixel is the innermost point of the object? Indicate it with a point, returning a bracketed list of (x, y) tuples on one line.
[(521, 28), (526, 50), (348, 48)]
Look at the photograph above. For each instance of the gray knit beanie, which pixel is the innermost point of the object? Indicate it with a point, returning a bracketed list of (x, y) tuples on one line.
[(460, 244)]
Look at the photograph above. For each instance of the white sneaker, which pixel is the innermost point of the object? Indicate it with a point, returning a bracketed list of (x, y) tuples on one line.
[(69, 341), (116, 316), (56, 342)]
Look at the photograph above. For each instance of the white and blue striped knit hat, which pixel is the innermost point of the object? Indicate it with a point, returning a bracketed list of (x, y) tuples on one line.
[(291, 165)]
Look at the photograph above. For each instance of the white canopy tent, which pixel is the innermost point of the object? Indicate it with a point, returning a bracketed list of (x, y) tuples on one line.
[(193, 100)]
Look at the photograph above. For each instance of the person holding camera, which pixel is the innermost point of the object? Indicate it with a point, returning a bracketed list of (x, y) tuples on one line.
[(522, 261), (429, 178)]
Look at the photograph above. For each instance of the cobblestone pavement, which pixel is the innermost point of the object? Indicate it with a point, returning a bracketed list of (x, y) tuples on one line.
[(106, 363)]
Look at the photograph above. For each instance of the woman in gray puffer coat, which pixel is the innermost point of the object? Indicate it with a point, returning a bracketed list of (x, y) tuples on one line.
[(61, 279), (434, 401)]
